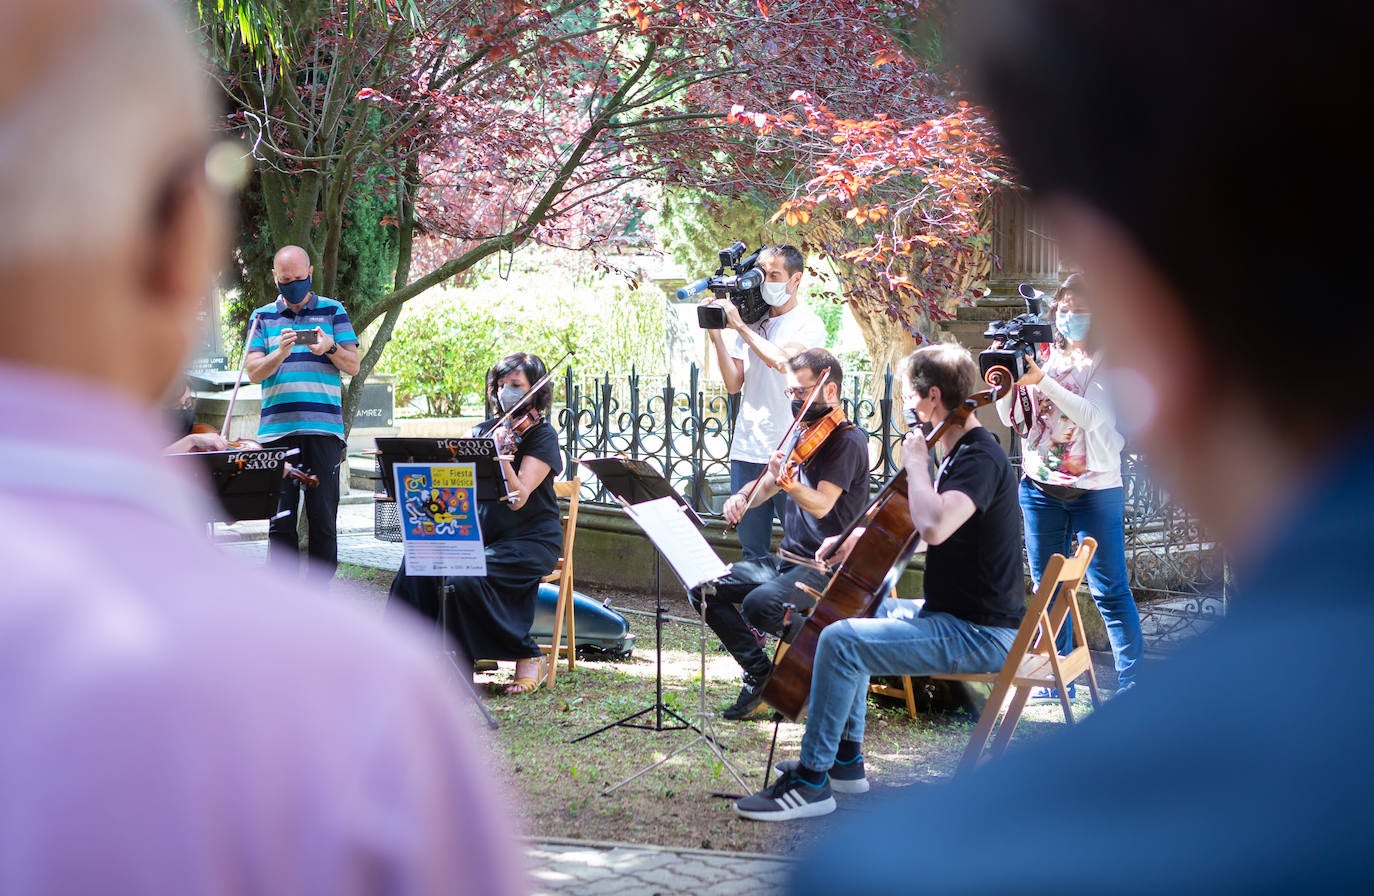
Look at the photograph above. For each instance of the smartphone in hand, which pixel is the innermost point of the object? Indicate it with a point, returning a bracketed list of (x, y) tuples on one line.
[(307, 337)]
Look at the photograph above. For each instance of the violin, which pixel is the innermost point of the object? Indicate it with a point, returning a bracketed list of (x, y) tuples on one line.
[(871, 569), (309, 480), (809, 442), (518, 420), (515, 427), (806, 406)]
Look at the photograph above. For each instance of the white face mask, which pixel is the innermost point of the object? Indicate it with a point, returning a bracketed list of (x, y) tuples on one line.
[(774, 294)]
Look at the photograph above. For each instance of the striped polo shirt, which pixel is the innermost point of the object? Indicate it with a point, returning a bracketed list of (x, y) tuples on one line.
[(304, 395)]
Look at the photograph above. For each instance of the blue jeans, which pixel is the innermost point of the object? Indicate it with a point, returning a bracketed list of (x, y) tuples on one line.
[(755, 528), (1051, 527), (898, 640)]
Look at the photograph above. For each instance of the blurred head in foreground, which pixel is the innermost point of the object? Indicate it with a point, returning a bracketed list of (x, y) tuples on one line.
[(1191, 161), (114, 226)]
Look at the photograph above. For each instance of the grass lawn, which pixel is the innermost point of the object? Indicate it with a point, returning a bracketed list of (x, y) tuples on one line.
[(557, 785)]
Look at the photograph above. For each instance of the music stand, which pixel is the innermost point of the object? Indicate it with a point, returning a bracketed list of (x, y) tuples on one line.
[(652, 502), (479, 452), (247, 484)]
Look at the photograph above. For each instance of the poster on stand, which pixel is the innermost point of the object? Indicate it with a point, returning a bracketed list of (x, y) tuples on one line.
[(439, 519)]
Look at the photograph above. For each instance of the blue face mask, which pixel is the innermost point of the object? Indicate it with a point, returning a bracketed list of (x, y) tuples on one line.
[(296, 291), (1073, 325)]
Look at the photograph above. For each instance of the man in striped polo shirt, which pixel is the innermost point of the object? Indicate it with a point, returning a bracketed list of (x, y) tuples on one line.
[(301, 345)]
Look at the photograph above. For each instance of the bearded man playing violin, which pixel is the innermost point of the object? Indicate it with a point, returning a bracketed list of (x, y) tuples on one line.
[(825, 480), (969, 518)]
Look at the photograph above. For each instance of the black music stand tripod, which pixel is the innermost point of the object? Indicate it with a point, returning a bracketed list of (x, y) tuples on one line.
[(634, 482), (482, 454), (658, 708), (246, 482)]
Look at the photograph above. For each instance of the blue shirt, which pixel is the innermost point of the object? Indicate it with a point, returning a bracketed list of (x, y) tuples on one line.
[(1242, 765), (304, 396)]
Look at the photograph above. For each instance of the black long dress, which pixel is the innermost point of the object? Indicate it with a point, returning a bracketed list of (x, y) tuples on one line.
[(489, 617)]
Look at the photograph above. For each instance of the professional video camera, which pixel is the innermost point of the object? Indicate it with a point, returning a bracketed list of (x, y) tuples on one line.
[(1013, 341), (741, 287)]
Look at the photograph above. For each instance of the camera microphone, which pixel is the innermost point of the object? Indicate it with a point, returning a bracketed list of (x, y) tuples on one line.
[(692, 289)]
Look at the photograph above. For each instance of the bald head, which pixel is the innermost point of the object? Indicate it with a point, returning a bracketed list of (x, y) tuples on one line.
[(291, 265), (104, 125), (292, 261)]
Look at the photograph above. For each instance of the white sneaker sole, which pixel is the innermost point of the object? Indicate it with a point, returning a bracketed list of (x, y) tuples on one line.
[(806, 810)]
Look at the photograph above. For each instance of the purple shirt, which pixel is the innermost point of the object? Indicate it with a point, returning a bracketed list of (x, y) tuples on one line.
[(173, 721)]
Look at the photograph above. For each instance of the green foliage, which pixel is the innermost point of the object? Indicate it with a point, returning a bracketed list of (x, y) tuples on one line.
[(368, 249), (248, 280), (694, 226), (545, 304), (829, 311), (442, 352)]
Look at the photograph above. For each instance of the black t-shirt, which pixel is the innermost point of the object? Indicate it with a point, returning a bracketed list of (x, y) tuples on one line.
[(843, 461), (539, 517), (976, 573)]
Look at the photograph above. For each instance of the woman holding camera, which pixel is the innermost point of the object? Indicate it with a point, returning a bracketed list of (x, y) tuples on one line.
[(1071, 472), (490, 616)]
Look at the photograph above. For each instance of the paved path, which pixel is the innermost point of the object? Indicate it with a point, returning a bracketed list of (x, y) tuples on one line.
[(613, 869), (560, 867)]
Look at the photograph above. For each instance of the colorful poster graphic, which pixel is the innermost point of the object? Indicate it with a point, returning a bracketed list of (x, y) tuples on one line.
[(438, 505)]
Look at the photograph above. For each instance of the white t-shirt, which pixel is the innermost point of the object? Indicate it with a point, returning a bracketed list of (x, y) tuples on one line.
[(765, 411)]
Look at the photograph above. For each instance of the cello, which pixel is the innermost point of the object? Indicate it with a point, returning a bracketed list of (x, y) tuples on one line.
[(870, 571)]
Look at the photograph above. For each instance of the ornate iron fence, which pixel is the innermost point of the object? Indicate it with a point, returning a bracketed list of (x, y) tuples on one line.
[(1178, 573)]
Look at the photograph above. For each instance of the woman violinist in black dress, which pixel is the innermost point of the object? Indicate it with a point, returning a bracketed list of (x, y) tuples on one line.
[(490, 616)]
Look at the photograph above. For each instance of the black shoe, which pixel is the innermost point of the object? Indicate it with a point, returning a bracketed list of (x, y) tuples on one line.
[(844, 777), (746, 704), (791, 796)]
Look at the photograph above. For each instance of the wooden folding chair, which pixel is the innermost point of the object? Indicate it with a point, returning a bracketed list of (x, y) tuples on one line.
[(1033, 660), (564, 623)]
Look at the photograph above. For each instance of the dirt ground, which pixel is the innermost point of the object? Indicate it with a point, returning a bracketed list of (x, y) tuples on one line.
[(666, 785)]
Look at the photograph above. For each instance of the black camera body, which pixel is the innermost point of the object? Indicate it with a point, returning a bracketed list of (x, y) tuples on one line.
[(743, 287), (1013, 341)]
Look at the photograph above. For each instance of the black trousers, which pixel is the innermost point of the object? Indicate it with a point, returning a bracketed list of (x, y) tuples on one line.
[(320, 455), (754, 596)]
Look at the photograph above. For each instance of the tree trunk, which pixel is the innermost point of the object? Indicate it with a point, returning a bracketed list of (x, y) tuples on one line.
[(888, 342)]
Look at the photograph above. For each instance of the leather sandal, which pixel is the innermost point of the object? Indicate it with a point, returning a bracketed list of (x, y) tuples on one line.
[(526, 685)]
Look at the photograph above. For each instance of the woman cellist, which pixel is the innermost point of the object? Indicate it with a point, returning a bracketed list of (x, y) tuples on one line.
[(489, 616)]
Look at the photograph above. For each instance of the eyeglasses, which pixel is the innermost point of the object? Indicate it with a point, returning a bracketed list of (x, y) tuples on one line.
[(799, 391)]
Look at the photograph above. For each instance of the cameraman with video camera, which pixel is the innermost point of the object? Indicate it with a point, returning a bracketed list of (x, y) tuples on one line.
[(1071, 474), (753, 362)]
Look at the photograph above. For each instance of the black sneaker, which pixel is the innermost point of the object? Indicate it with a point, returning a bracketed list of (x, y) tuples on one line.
[(844, 777), (791, 796), (746, 704)]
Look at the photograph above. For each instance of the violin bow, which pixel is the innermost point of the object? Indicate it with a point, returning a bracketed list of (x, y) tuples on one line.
[(243, 365), (806, 406)]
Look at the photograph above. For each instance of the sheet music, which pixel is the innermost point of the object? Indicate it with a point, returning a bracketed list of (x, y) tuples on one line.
[(682, 544)]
